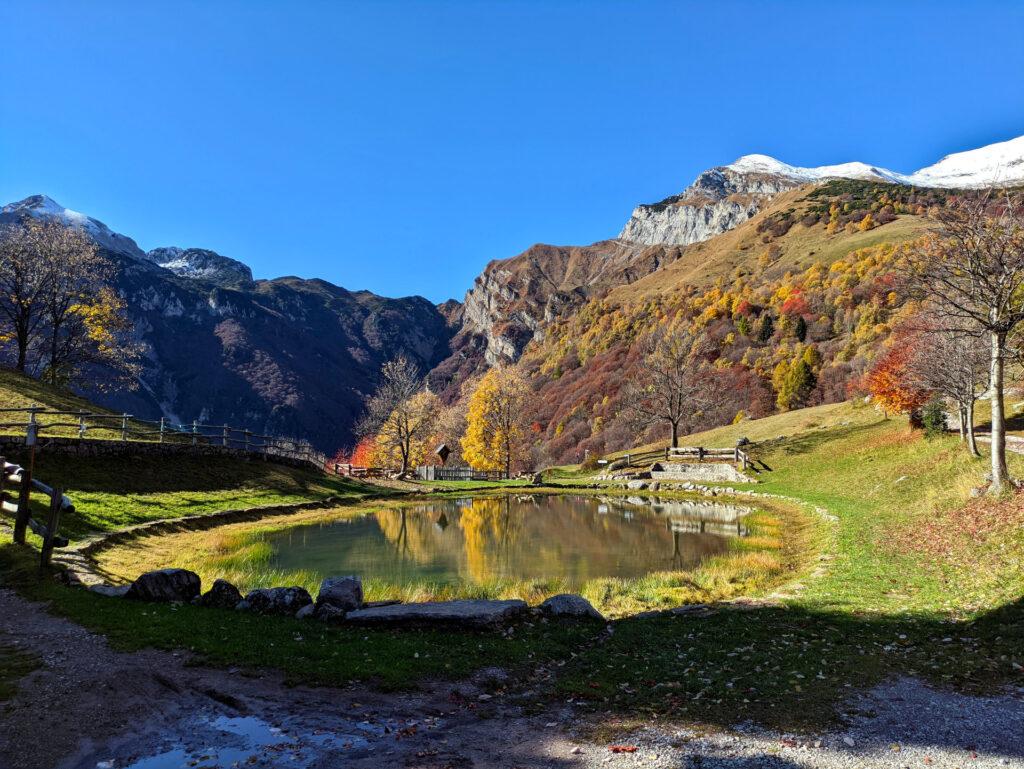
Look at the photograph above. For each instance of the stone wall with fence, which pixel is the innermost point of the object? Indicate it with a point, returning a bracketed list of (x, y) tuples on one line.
[(13, 447)]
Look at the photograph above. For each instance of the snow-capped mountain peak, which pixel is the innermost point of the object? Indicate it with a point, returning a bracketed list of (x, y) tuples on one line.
[(725, 196), (765, 164), (45, 207), (201, 264), (999, 163)]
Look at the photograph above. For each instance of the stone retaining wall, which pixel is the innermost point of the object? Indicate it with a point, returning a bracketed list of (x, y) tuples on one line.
[(13, 448), (708, 472)]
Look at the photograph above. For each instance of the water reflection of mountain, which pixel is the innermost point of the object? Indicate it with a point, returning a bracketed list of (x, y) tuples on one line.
[(528, 537)]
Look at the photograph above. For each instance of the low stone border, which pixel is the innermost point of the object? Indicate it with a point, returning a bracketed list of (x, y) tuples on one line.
[(79, 566), (78, 563)]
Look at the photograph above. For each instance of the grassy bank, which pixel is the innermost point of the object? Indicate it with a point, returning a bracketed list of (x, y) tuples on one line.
[(780, 541), (111, 493)]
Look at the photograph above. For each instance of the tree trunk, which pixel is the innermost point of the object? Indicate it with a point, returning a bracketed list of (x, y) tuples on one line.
[(22, 355), (972, 444), (962, 411), (675, 435), (1000, 474)]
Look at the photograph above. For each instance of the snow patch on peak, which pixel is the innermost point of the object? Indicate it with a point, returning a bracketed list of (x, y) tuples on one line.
[(46, 208), (999, 163), (765, 164)]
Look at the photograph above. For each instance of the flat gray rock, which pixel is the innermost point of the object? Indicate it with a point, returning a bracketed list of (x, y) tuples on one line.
[(468, 613)]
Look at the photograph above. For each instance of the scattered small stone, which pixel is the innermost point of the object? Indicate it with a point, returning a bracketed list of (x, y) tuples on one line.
[(110, 591)]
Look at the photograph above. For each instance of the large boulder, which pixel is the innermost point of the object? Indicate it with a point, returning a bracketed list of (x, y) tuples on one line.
[(569, 605), (223, 595), (344, 593), (278, 600), (165, 585), (466, 613)]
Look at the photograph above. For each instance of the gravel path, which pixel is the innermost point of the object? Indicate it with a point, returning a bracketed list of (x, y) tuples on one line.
[(101, 709)]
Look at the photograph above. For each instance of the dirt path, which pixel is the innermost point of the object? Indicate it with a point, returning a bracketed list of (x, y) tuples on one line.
[(89, 707)]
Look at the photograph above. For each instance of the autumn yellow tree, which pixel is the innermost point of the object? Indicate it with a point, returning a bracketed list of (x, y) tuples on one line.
[(59, 308), (496, 423), (400, 416)]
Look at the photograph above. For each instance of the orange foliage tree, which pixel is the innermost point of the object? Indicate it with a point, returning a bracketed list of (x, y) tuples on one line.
[(892, 384), (360, 456)]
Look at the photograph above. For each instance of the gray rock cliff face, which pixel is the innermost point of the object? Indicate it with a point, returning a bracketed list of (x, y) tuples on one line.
[(719, 200)]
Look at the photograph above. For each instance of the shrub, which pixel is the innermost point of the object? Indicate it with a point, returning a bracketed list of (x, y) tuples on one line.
[(933, 418)]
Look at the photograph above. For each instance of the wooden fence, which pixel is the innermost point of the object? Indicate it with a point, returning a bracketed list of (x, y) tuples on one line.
[(437, 473), (16, 477), (42, 422)]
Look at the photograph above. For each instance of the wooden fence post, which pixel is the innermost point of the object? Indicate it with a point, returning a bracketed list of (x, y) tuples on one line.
[(24, 513), (81, 425), (162, 421), (195, 431), (52, 524), (3, 480), (224, 439)]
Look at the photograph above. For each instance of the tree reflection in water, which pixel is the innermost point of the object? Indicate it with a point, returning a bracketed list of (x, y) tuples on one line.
[(533, 537)]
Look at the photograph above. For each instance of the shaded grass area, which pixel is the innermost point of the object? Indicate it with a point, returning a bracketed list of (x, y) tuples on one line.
[(15, 664), (306, 652), (111, 493), (786, 667)]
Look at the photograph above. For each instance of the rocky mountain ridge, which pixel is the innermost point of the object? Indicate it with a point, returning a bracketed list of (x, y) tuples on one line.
[(721, 198), (296, 357), (288, 356)]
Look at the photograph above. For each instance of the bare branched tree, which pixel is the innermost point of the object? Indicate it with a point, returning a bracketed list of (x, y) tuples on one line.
[(970, 273), (953, 364), (400, 414), (672, 385), (23, 278), (58, 306)]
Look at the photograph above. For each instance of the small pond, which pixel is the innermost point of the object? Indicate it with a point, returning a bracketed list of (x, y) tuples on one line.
[(536, 537)]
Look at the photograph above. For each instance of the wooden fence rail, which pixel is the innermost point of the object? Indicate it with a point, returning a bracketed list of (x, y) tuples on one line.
[(12, 476), (43, 422), (700, 453)]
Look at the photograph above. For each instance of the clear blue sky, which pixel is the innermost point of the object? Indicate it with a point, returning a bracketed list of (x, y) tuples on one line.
[(399, 147)]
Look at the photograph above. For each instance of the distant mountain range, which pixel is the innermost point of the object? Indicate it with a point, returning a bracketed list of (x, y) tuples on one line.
[(296, 357)]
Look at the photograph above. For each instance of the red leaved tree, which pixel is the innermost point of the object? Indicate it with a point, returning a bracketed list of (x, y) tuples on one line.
[(893, 384)]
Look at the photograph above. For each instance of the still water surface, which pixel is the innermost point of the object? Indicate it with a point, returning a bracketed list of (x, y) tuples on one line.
[(539, 537)]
